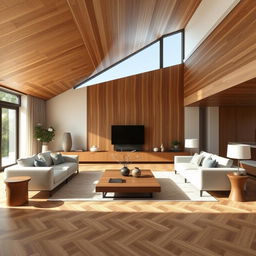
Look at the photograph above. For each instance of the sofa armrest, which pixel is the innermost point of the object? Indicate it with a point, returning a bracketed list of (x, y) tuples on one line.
[(42, 178), (182, 159), (71, 158)]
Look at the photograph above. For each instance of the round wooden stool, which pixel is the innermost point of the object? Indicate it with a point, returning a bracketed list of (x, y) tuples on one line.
[(237, 187), (17, 190)]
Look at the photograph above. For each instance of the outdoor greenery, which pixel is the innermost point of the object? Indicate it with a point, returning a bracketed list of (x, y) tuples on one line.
[(44, 135), (8, 97), (5, 132)]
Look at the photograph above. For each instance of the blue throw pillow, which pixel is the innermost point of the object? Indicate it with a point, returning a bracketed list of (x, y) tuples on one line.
[(57, 158), (210, 163), (39, 163)]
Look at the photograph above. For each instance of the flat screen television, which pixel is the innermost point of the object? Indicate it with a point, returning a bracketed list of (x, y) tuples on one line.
[(127, 134)]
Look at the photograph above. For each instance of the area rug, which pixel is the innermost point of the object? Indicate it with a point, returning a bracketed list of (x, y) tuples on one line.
[(173, 188)]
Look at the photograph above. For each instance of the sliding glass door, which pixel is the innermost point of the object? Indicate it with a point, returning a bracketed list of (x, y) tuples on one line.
[(9, 136), (9, 123)]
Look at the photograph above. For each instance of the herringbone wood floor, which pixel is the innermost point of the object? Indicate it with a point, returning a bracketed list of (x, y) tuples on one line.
[(129, 228)]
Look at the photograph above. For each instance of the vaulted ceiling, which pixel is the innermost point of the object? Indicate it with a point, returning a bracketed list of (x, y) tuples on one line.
[(47, 46)]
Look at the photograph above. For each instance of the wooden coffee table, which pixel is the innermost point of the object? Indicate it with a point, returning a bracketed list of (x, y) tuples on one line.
[(144, 185)]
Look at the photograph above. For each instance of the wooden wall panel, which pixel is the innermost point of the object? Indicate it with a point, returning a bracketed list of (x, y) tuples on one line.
[(236, 124), (153, 99), (48, 46), (226, 58)]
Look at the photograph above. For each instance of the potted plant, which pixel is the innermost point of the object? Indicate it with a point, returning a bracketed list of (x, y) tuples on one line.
[(44, 135), (176, 144)]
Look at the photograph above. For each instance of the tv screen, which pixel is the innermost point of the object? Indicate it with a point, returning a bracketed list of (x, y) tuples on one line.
[(127, 134)]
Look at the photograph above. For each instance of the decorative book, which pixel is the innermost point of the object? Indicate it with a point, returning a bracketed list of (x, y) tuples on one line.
[(111, 180)]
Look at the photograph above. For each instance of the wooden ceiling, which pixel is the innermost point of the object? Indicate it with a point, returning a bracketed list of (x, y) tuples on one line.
[(243, 94), (47, 46)]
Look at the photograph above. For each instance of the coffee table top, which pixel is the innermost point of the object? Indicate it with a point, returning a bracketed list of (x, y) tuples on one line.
[(145, 183)]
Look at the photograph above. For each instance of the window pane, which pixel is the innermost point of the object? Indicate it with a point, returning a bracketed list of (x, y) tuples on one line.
[(144, 61), (172, 50), (8, 136), (9, 97)]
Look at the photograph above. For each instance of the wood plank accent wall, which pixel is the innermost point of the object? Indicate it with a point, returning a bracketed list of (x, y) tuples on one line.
[(153, 99), (226, 58), (236, 124)]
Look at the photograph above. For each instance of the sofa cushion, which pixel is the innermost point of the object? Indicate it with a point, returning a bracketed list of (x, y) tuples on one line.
[(59, 175), (222, 161), (57, 158), (210, 163), (46, 156), (196, 159), (69, 167), (185, 166), (39, 163), (26, 162)]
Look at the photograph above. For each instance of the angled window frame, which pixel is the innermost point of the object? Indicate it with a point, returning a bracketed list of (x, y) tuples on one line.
[(161, 56)]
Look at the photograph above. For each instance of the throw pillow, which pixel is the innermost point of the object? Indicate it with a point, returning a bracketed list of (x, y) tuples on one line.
[(209, 163), (46, 156), (57, 158), (26, 162), (196, 159), (39, 163)]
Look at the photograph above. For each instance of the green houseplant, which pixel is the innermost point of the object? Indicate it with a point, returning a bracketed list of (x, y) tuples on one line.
[(44, 135), (175, 144)]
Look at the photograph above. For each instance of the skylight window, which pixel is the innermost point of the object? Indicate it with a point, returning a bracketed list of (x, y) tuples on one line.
[(144, 60), (172, 50)]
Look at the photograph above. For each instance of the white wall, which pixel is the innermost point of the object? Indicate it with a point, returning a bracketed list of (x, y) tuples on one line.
[(191, 123), (212, 130), (207, 16), (67, 113)]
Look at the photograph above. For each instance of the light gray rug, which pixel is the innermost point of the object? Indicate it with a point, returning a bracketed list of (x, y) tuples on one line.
[(173, 188)]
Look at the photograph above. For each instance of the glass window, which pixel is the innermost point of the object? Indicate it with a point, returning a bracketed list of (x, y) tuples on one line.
[(8, 136), (9, 97), (172, 50), (145, 60)]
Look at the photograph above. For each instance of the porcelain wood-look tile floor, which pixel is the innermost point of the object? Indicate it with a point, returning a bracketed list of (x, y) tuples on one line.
[(129, 228)]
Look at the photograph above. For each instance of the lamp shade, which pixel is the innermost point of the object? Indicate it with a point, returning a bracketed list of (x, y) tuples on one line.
[(239, 151), (191, 143)]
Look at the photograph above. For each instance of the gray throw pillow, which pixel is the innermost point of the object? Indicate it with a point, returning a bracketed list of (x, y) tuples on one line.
[(26, 162), (46, 156), (57, 158), (209, 163), (39, 163)]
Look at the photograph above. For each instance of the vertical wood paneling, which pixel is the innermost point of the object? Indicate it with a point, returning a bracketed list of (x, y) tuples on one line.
[(153, 99), (236, 124), (226, 58)]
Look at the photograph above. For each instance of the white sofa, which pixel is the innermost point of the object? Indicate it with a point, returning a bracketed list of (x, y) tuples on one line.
[(211, 179), (45, 178)]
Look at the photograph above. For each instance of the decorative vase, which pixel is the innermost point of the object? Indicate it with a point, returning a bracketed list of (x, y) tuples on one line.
[(136, 172), (176, 146), (162, 148), (155, 149), (125, 171), (45, 147), (67, 142)]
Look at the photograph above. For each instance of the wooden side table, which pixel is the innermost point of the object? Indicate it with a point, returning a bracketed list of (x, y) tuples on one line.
[(237, 187), (17, 190)]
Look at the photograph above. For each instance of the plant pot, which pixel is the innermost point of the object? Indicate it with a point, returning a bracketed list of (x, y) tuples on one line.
[(45, 147), (67, 142)]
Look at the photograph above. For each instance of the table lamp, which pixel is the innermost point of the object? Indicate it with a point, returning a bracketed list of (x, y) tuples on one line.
[(191, 144), (239, 152)]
